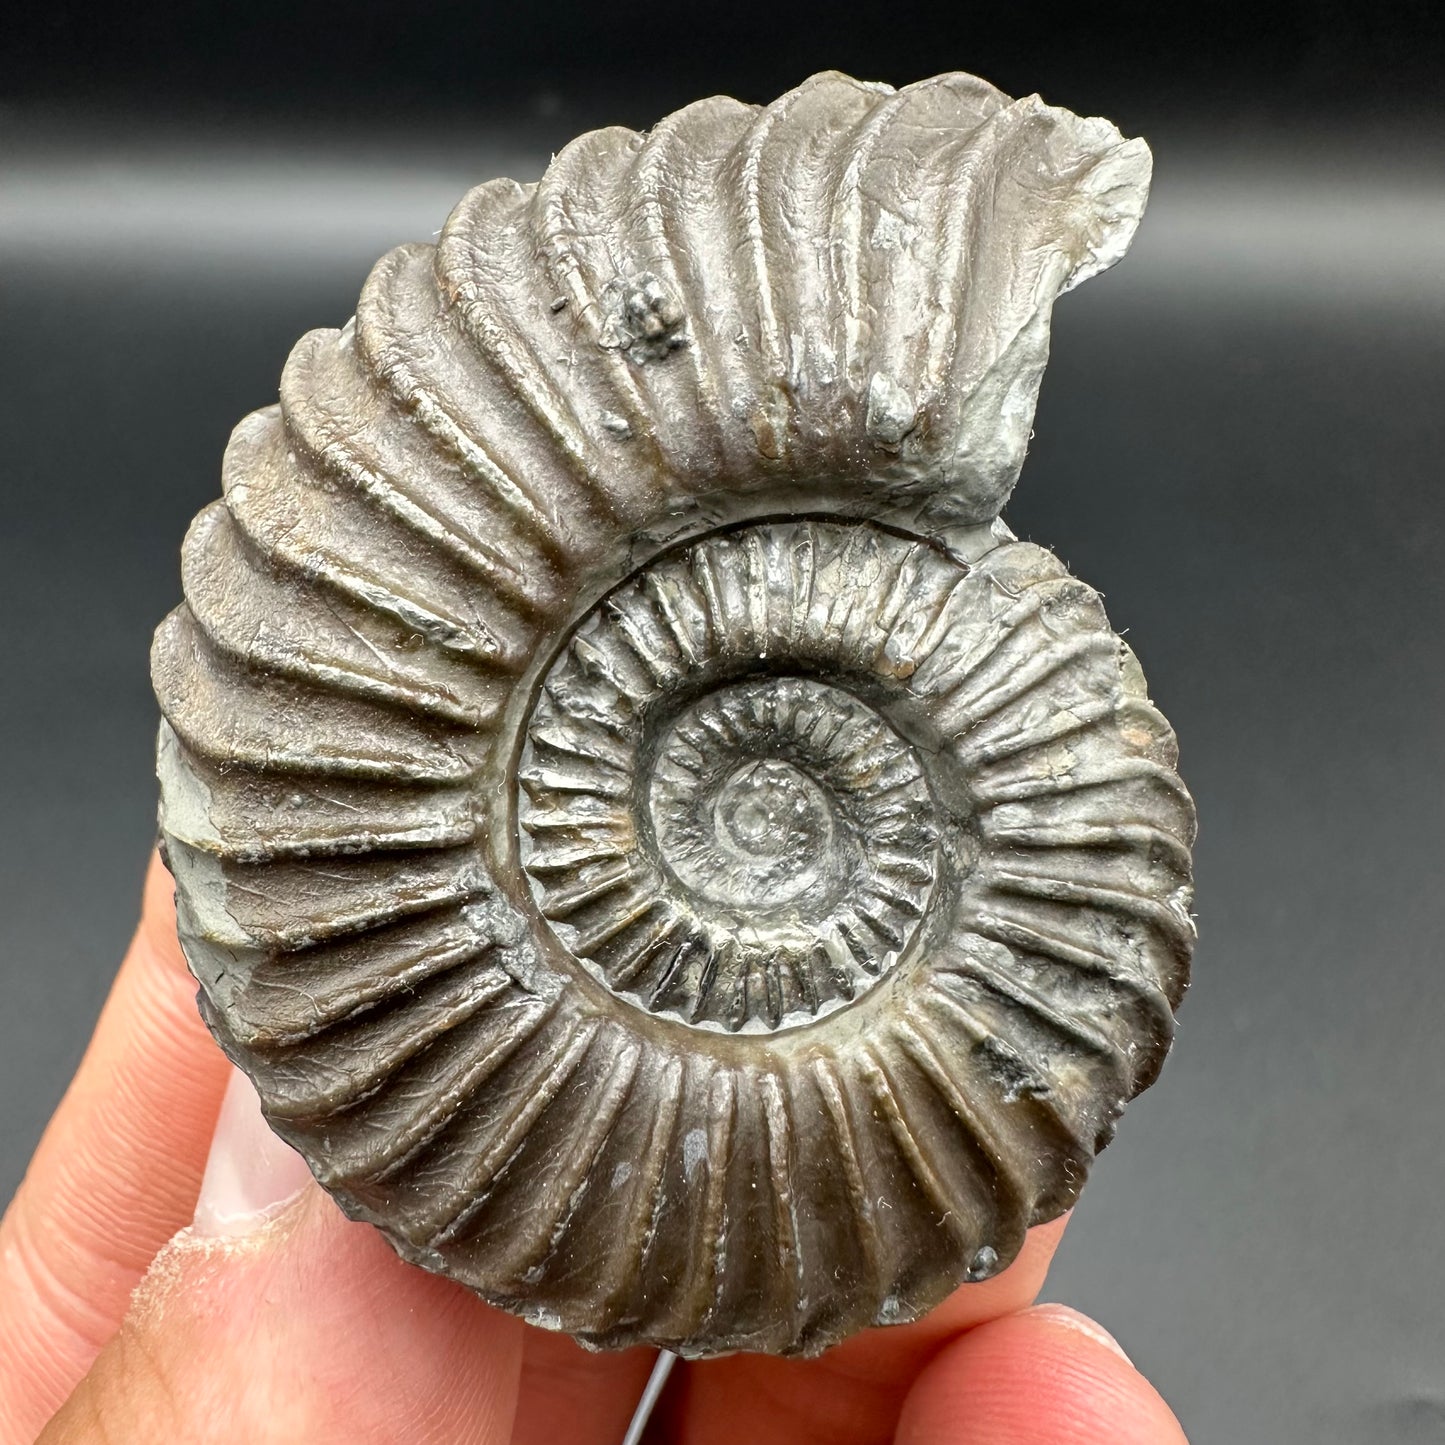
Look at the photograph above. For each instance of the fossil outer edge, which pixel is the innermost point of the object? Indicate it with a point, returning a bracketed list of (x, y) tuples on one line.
[(665, 854)]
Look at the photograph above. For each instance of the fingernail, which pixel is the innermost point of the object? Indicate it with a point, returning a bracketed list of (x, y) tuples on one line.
[(251, 1175), (1072, 1319)]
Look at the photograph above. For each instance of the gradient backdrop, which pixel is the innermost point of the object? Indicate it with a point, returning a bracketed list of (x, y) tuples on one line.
[(1240, 442)]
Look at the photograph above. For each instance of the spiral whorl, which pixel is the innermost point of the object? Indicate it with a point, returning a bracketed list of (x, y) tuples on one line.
[(665, 853)]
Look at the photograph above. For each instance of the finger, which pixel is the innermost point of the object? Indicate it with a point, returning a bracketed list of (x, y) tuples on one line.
[(115, 1175), (568, 1394), (1049, 1376), (852, 1394), (276, 1321)]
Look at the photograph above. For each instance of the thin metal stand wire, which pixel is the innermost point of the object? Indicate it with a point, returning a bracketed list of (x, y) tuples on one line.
[(651, 1393)]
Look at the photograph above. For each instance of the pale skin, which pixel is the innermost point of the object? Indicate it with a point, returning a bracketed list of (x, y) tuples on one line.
[(119, 1323)]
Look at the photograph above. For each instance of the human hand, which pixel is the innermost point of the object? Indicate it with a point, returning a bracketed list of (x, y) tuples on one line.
[(144, 1306)]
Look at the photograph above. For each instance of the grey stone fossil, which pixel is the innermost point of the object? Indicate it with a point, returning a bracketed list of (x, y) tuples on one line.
[(666, 854)]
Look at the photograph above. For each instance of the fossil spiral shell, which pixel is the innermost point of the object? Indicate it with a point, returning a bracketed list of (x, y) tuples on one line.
[(665, 854)]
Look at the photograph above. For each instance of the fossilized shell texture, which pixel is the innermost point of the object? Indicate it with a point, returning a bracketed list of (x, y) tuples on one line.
[(665, 854)]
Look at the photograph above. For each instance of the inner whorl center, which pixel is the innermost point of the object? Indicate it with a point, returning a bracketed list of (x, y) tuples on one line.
[(769, 809), (774, 827)]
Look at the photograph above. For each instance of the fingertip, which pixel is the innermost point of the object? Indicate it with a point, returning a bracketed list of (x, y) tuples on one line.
[(1073, 1319), (1046, 1376)]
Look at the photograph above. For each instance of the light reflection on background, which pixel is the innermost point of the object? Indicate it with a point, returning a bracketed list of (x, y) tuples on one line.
[(1339, 222)]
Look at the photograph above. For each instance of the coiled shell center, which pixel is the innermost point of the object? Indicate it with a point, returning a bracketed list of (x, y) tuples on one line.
[(734, 852)]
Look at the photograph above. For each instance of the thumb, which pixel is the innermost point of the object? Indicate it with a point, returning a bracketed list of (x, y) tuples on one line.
[(275, 1319)]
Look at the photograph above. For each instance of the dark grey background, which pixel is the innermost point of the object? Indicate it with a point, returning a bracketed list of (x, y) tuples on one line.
[(1240, 442)]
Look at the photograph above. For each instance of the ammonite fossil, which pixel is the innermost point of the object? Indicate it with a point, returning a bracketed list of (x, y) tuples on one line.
[(664, 851)]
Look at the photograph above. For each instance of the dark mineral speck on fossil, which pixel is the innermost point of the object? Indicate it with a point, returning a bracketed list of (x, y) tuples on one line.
[(665, 853)]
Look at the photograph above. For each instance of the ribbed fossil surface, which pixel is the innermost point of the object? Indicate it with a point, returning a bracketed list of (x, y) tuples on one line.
[(665, 853)]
